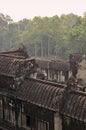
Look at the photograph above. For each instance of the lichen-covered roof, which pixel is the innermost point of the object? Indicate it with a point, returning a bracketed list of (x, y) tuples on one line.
[(40, 93), (12, 65), (16, 53), (51, 96), (43, 63), (60, 65), (54, 64), (21, 52), (77, 57), (75, 105)]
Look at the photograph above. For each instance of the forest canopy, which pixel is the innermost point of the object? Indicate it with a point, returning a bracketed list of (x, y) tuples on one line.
[(45, 36)]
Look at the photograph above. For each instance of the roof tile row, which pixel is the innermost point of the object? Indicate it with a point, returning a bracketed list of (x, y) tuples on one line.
[(50, 96)]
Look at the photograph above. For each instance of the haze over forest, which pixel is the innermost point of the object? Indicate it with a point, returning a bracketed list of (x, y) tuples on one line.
[(45, 36)]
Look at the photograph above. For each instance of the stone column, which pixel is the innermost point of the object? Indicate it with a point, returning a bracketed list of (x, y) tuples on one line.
[(57, 122)]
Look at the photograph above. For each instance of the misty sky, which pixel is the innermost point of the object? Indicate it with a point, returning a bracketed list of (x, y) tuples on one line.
[(19, 9)]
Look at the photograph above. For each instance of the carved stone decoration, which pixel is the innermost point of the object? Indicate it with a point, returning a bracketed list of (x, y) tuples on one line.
[(57, 100), (82, 70)]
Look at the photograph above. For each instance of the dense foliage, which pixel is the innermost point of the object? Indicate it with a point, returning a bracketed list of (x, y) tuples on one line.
[(44, 36)]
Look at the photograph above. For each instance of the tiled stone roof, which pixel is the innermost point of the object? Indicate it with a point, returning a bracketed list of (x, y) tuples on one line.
[(54, 65), (75, 105), (19, 52), (60, 65), (40, 93), (12, 65), (51, 96), (45, 94)]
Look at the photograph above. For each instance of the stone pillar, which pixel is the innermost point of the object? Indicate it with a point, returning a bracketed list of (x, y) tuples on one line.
[(3, 106), (60, 76), (57, 122), (48, 74)]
